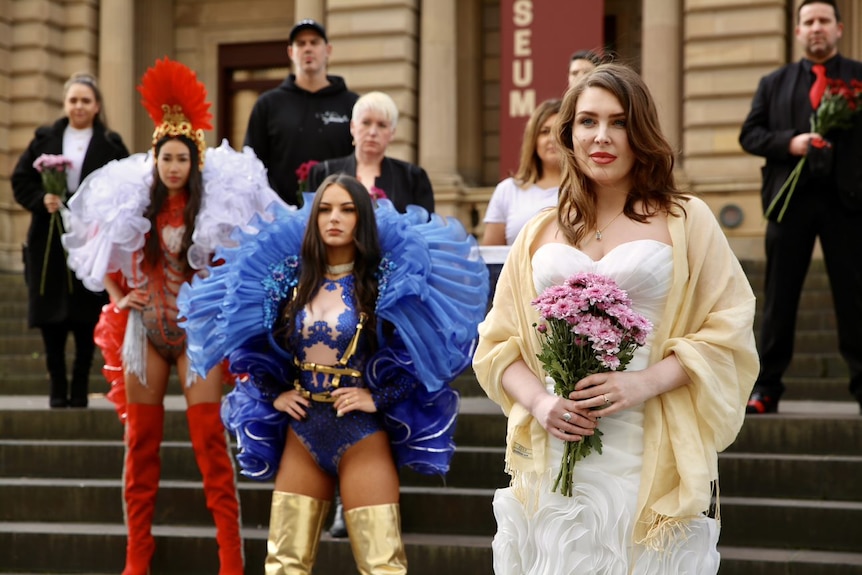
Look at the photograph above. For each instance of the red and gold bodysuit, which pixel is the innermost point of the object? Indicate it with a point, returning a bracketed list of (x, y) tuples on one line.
[(163, 281)]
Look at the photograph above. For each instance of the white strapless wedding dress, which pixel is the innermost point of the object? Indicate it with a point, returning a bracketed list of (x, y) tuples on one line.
[(590, 533)]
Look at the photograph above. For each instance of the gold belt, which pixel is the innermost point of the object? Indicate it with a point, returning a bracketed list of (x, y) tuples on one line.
[(337, 371), (325, 397)]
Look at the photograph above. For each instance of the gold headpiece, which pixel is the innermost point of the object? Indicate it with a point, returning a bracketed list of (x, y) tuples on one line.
[(176, 102)]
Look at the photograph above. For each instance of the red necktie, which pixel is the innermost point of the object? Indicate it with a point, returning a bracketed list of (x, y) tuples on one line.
[(819, 85)]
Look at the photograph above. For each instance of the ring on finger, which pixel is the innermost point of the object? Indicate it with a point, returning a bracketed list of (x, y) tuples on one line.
[(567, 417), (607, 401)]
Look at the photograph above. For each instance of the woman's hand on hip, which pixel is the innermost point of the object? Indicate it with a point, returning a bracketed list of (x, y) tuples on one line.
[(135, 299), (292, 403), (349, 399)]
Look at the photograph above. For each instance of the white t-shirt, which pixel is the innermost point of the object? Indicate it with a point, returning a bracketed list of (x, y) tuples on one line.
[(75, 144), (514, 206)]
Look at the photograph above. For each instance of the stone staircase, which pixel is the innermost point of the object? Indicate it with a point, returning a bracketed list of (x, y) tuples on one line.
[(791, 496)]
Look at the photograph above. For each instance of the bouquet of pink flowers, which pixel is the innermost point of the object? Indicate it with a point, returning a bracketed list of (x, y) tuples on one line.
[(588, 326), (836, 110), (53, 170)]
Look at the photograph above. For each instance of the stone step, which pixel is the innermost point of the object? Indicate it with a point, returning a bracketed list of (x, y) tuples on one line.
[(835, 430), (433, 510), (471, 467), (480, 423), (791, 523), (752, 522), (99, 548), (816, 389), (769, 475), (191, 550), (759, 561), (742, 474)]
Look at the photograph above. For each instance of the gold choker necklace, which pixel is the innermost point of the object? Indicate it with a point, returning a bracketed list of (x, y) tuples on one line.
[(339, 269)]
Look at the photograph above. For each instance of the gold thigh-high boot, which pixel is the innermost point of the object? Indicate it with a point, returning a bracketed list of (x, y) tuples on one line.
[(375, 537), (295, 523)]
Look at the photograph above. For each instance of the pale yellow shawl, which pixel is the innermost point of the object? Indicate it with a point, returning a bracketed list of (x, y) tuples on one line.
[(708, 325)]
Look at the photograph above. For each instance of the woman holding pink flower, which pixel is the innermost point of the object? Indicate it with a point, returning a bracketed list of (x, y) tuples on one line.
[(621, 315), (49, 171)]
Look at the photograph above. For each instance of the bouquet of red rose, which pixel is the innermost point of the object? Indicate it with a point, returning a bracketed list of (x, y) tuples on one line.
[(53, 170), (376, 194), (588, 326), (302, 173), (835, 111)]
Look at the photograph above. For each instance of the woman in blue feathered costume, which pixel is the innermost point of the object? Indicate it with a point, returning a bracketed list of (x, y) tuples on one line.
[(347, 323)]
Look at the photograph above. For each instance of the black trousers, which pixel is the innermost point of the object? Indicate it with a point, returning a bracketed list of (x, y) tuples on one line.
[(54, 336), (789, 245)]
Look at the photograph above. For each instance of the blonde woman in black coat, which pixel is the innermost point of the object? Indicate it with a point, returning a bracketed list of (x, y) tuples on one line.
[(61, 304)]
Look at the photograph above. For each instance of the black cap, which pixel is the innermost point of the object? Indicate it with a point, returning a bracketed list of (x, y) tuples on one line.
[(307, 24)]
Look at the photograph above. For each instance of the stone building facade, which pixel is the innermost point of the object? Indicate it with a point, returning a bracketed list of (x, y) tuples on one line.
[(439, 59)]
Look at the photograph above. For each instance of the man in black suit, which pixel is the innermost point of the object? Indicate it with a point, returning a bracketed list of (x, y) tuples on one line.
[(827, 202)]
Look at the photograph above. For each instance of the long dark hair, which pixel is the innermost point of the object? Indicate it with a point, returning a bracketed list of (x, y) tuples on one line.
[(158, 195), (652, 176), (368, 253)]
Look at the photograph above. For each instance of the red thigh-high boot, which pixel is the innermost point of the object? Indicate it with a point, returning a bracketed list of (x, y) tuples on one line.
[(144, 431), (211, 452)]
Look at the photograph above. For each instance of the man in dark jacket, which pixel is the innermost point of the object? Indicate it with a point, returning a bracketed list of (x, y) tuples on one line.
[(827, 201), (306, 118)]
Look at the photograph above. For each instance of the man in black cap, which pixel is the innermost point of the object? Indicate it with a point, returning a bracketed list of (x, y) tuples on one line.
[(306, 118)]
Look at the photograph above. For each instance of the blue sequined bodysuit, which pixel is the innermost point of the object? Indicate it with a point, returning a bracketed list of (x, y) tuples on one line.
[(322, 338)]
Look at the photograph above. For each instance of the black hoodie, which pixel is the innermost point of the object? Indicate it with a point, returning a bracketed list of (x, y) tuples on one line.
[(289, 125)]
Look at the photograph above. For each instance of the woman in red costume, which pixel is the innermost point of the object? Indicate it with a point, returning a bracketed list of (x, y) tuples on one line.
[(157, 235)]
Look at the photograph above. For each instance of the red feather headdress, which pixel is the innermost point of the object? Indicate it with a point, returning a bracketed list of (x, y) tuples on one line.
[(176, 102)]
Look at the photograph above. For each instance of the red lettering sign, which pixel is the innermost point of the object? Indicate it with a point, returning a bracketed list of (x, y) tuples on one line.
[(538, 38)]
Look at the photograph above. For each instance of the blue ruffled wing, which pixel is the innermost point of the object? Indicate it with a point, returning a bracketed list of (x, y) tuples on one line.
[(433, 288), (239, 299)]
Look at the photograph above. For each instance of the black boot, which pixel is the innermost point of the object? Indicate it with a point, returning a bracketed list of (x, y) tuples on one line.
[(338, 529), (58, 393), (84, 349), (80, 387), (54, 337)]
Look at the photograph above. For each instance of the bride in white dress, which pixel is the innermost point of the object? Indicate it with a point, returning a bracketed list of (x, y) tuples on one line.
[(644, 505)]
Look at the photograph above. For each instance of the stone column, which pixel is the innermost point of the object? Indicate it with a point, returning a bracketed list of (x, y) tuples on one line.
[(313, 9), (116, 65), (438, 131), (661, 63)]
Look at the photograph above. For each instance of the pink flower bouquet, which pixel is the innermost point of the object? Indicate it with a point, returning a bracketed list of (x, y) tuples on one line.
[(588, 326), (53, 170)]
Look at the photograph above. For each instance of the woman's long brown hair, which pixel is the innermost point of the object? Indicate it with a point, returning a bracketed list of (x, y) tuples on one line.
[(653, 183)]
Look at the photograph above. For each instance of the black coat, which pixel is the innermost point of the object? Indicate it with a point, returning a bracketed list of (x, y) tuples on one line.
[(402, 182), (774, 120), (290, 125), (65, 298)]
